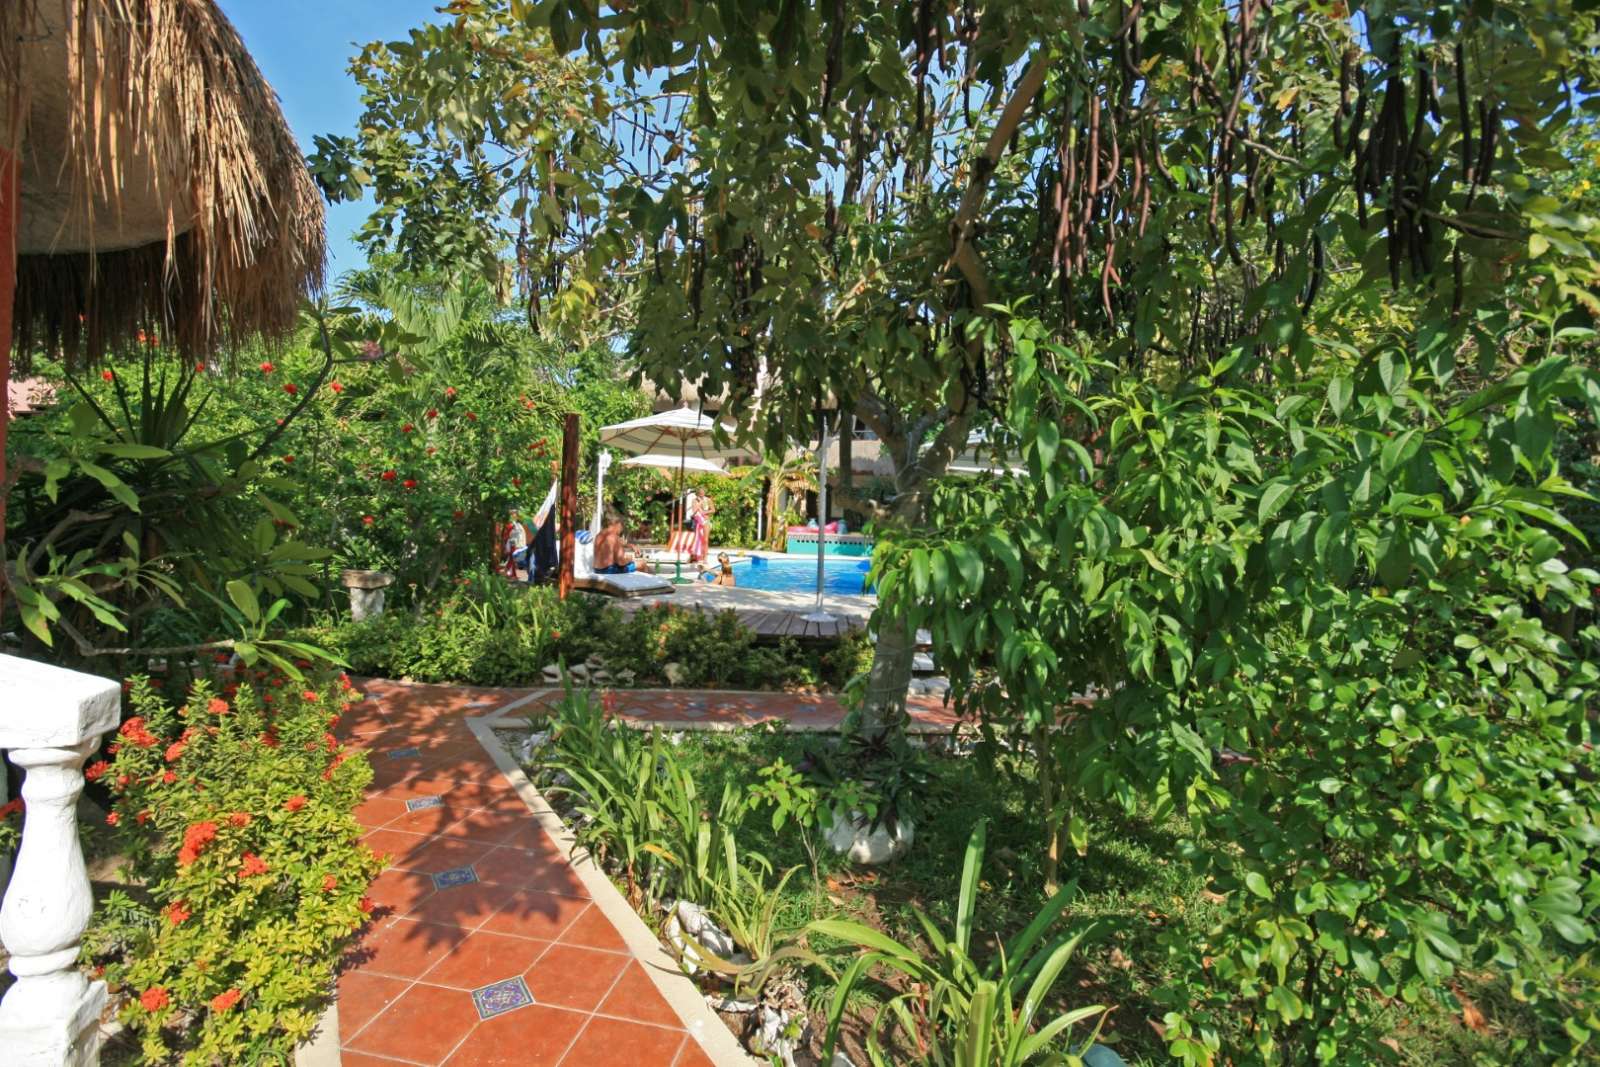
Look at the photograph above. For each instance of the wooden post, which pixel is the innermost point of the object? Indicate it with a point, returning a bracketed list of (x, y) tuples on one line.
[(10, 214), (569, 502)]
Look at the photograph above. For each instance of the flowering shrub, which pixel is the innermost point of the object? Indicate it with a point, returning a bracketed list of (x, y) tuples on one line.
[(237, 819)]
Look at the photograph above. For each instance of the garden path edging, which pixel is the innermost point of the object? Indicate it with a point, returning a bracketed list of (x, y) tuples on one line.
[(702, 1024), (914, 726)]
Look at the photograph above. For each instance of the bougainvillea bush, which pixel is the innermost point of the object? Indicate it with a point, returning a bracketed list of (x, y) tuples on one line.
[(249, 874)]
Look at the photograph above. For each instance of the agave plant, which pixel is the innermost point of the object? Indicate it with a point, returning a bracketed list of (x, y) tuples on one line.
[(956, 1013)]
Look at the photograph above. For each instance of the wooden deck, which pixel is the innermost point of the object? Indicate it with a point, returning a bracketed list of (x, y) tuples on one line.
[(772, 624)]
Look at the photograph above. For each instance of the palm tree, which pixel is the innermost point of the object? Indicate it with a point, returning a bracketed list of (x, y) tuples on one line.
[(793, 473)]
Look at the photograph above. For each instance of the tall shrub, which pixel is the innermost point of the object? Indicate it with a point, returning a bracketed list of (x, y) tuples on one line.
[(1319, 620)]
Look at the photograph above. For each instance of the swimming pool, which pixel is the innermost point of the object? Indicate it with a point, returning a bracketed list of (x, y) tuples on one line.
[(798, 574)]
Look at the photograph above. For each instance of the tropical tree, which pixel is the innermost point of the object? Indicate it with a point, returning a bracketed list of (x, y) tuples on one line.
[(820, 203)]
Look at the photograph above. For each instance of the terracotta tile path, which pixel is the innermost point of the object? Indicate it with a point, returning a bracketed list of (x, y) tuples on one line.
[(485, 949)]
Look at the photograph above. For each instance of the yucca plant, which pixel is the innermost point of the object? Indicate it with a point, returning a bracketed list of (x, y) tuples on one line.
[(956, 1013)]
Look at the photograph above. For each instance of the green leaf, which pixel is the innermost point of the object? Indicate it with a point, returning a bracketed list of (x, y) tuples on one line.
[(1257, 884), (1340, 392), (244, 598)]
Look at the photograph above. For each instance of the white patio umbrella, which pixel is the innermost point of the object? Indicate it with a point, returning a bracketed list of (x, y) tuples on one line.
[(684, 431), (666, 462)]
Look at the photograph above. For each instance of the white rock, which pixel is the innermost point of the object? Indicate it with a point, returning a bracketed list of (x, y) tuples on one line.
[(692, 932), (676, 673), (867, 844)]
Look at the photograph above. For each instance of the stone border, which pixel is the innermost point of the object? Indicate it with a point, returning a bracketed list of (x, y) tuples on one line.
[(709, 1031)]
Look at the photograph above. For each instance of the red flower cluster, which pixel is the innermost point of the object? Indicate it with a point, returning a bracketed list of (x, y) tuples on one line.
[(410, 483), (252, 865), (168, 777), (290, 388), (175, 750), (113, 818), (449, 390), (94, 771), (365, 905), (407, 428), (154, 999), (269, 740), (388, 475), (218, 706), (133, 731), (288, 459), (223, 1001), (267, 368), (433, 413), (337, 387), (107, 375), (177, 913), (472, 416), (195, 839), (239, 818), (309, 696), (10, 808), (329, 883), (367, 520), (295, 803)]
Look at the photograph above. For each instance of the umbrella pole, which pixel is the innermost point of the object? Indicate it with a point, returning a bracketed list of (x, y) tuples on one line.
[(817, 614)]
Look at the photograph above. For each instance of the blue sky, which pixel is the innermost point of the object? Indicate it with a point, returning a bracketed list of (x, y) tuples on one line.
[(303, 47)]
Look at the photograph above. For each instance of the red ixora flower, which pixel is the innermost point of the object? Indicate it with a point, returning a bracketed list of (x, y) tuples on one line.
[(199, 368), (154, 999), (310, 696), (10, 808), (457, 513), (367, 520), (107, 375), (365, 905), (407, 428), (113, 819), (267, 368), (95, 770), (223, 1001), (195, 839), (218, 706), (433, 413), (336, 386), (431, 450), (449, 390), (168, 777), (517, 482), (290, 388), (288, 459), (295, 803), (472, 416), (410, 483), (252, 865), (177, 913), (175, 750), (329, 883), (239, 818), (135, 733), (388, 475), (269, 741)]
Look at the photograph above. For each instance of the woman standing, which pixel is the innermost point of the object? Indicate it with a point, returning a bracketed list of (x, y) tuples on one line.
[(700, 511)]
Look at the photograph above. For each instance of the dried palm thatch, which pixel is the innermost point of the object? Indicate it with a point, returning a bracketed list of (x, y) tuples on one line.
[(161, 189)]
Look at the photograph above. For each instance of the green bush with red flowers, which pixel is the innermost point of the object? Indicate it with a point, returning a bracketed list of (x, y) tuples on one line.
[(249, 876)]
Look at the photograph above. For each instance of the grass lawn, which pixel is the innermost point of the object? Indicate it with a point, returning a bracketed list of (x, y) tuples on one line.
[(1133, 883)]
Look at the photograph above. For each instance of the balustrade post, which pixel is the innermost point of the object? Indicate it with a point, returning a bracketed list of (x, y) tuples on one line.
[(50, 720)]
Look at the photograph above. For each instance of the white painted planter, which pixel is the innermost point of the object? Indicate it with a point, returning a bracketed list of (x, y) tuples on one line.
[(50, 720), (867, 844)]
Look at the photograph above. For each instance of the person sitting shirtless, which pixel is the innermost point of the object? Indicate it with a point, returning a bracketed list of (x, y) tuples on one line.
[(612, 554)]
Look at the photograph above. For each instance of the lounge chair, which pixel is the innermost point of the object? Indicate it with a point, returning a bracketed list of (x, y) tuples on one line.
[(621, 585)]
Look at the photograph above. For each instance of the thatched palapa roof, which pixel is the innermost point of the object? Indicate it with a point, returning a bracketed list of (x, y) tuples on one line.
[(161, 188)]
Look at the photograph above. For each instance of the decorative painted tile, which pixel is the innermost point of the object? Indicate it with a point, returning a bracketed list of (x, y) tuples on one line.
[(405, 753), (419, 803), (454, 876), (501, 997)]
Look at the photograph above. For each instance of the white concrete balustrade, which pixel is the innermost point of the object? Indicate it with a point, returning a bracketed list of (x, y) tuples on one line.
[(50, 720)]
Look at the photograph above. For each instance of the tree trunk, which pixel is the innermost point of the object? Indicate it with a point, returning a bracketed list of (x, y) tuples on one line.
[(883, 708)]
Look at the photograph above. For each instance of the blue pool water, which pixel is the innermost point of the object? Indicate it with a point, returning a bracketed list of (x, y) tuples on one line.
[(798, 574)]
